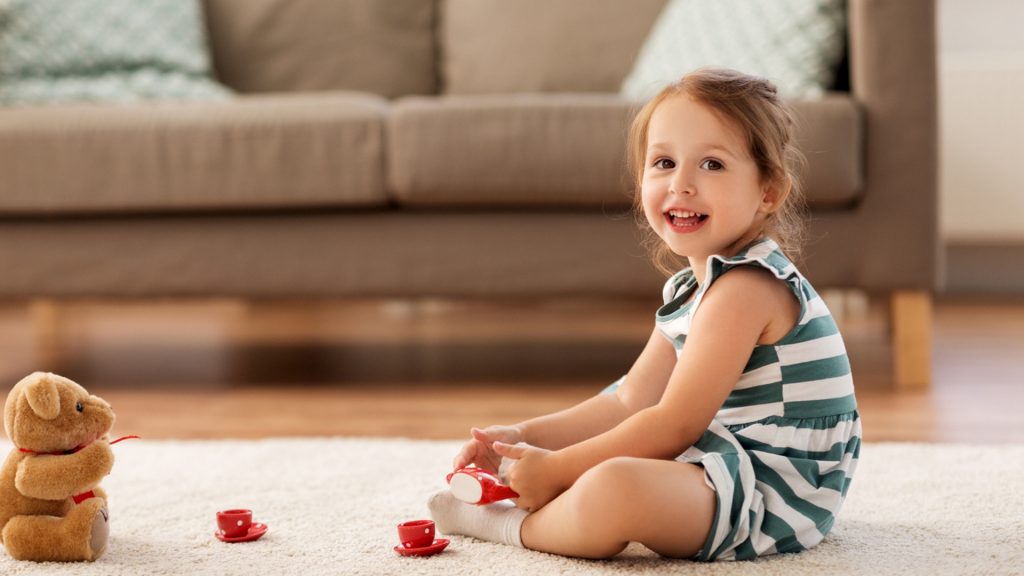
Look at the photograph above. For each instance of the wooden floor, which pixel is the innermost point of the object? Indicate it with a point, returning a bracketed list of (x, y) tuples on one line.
[(432, 369)]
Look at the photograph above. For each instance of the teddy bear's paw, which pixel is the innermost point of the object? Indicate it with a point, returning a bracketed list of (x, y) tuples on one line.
[(99, 533), (86, 529)]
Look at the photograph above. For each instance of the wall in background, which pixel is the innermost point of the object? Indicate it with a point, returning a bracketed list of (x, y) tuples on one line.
[(981, 114), (981, 91)]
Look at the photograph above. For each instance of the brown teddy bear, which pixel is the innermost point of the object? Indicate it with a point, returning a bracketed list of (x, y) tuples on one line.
[(51, 506)]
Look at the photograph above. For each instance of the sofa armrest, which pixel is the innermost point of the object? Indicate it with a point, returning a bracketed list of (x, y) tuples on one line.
[(893, 77)]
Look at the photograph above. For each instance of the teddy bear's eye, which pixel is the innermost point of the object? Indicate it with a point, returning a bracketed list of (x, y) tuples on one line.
[(79, 407)]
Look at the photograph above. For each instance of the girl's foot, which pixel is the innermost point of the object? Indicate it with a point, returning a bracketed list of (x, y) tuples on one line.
[(498, 522)]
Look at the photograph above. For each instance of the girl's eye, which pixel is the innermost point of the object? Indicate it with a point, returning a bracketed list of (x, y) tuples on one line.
[(664, 164), (711, 164)]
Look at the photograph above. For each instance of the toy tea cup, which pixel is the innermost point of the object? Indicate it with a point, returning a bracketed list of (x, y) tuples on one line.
[(234, 523), (416, 533), (478, 486), (417, 539)]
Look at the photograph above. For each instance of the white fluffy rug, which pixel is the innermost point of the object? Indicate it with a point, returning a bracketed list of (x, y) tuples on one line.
[(332, 506)]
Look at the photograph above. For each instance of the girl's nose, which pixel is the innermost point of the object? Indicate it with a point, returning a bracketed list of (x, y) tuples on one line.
[(680, 184)]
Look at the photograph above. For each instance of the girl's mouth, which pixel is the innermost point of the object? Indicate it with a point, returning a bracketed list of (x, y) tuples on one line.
[(685, 220)]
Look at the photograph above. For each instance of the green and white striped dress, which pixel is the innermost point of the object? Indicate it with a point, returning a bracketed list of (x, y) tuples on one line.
[(782, 449)]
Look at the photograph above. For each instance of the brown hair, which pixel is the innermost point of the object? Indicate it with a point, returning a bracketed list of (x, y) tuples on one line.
[(752, 104)]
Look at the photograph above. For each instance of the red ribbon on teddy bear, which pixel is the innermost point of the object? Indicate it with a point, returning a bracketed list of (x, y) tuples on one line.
[(75, 449)]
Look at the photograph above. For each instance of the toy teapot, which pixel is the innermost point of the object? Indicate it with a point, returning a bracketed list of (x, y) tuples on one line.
[(478, 486)]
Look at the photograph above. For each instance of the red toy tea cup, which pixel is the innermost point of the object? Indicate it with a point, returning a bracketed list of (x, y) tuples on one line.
[(478, 486), (234, 523), (416, 533)]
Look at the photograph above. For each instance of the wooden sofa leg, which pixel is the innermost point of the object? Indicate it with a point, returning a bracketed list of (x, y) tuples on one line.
[(911, 323)]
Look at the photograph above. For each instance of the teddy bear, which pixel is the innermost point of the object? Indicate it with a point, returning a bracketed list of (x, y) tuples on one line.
[(51, 505)]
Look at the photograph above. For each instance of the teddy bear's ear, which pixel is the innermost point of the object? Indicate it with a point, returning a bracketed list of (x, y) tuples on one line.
[(43, 397)]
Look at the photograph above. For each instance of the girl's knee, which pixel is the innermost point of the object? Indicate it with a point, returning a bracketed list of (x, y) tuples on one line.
[(602, 495), (614, 475)]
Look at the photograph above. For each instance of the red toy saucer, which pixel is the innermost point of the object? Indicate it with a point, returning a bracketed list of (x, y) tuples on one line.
[(434, 548), (256, 530)]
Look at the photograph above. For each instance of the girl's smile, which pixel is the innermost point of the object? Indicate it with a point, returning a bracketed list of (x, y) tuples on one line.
[(685, 221)]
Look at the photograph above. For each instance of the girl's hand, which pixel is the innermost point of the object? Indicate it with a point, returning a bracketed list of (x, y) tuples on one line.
[(479, 450), (535, 475)]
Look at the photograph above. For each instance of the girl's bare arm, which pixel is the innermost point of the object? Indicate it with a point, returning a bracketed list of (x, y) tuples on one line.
[(643, 387)]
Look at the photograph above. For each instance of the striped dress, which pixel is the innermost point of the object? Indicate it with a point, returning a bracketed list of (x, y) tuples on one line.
[(782, 449)]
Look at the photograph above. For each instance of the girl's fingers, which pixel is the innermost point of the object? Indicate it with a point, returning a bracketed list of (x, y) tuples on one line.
[(481, 450), (469, 453), (514, 451), (461, 460)]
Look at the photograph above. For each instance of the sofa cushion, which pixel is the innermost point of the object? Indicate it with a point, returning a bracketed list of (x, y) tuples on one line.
[(797, 44), (383, 47), (498, 46), (54, 51), (110, 87), (526, 149), (830, 134), (569, 150), (254, 152)]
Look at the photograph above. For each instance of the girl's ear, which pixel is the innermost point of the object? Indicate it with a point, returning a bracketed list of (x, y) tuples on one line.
[(774, 195)]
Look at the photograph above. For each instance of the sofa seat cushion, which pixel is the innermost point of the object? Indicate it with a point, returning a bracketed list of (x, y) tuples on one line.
[(528, 149), (569, 150), (251, 152)]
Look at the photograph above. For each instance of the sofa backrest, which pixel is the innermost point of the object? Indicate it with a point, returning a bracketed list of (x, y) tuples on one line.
[(407, 47), (403, 47), (502, 46), (386, 47)]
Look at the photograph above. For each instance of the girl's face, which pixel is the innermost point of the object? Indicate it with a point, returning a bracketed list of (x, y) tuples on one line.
[(701, 191)]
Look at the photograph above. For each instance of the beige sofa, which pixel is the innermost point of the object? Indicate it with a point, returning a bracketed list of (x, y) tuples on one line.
[(443, 147)]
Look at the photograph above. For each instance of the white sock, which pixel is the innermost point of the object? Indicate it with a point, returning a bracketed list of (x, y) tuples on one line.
[(498, 522)]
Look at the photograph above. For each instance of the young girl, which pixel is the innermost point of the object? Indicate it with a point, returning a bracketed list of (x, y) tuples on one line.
[(736, 433)]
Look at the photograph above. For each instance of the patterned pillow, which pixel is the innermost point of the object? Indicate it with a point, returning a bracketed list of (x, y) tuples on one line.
[(55, 51), (795, 43)]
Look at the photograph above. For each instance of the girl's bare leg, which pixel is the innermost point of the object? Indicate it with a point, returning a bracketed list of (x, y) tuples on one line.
[(664, 505)]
